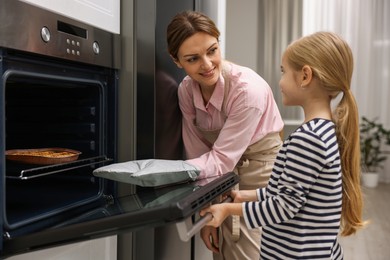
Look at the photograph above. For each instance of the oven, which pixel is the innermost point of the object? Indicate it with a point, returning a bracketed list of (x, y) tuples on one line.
[(59, 82), (59, 90), (47, 105)]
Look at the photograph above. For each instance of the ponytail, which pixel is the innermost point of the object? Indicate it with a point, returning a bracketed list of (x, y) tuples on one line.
[(347, 129)]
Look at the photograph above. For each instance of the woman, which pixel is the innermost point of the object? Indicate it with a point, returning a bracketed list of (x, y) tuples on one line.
[(230, 122), (314, 191)]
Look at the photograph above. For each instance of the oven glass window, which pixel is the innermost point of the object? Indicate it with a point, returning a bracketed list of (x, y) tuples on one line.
[(51, 112)]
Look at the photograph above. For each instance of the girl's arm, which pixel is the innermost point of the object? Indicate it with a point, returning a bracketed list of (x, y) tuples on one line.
[(244, 195), (221, 211)]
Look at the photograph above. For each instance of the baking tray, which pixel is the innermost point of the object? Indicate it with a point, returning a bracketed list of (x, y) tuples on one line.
[(42, 156)]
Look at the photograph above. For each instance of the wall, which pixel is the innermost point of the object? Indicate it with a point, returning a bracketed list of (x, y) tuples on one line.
[(242, 32), (216, 10), (257, 32)]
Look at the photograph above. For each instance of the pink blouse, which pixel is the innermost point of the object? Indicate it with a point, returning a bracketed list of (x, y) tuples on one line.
[(251, 114)]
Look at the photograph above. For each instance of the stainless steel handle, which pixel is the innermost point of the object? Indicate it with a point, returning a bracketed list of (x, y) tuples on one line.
[(187, 229)]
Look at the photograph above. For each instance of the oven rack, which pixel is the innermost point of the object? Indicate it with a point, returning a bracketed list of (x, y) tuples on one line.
[(41, 171)]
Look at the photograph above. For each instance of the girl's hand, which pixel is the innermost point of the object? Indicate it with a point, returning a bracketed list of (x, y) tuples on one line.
[(219, 213), (210, 238)]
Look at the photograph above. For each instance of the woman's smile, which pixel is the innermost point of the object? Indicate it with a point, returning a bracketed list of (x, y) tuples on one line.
[(208, 74)]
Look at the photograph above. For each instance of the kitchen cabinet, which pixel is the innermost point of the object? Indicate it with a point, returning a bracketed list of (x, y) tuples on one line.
[(97, 249), (103, 14)]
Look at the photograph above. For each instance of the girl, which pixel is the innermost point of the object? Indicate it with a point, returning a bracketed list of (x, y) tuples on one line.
[(314, 189), (230, 122)]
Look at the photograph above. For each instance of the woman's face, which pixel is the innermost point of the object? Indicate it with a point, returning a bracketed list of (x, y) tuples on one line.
[(289, 86), (200, 57)]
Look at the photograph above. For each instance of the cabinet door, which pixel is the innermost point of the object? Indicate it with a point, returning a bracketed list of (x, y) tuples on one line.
[(98, 249), (104, 14)]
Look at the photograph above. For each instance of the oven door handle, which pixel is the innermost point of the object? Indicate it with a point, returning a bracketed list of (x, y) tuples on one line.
[(188, 229)]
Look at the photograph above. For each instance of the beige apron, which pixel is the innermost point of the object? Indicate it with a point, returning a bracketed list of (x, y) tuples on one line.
[(236, 241)]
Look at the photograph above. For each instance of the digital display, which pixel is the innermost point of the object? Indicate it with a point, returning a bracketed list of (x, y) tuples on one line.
[(71, 29)]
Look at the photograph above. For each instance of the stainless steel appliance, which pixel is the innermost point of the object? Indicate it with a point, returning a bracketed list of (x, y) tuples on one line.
[(159, 118), (59, 85)]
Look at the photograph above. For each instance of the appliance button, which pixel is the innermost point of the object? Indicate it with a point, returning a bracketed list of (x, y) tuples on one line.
[(67, 41), (95, 47), (45, 34)]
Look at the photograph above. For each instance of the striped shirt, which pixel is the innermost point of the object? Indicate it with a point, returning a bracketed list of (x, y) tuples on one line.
[(300, 209)]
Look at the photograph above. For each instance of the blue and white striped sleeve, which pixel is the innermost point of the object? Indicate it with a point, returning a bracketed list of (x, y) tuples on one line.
[(286, 193)]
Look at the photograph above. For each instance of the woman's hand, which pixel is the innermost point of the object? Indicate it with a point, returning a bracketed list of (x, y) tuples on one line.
[(210, 238)]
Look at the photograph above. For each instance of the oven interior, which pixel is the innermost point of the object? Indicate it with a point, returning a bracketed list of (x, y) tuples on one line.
[(67, 109)]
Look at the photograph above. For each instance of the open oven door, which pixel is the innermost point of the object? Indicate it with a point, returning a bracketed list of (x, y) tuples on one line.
[(149, 207)]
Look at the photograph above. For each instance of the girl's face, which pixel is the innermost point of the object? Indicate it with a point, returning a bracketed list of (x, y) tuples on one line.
[(291, 94), (200, 57)]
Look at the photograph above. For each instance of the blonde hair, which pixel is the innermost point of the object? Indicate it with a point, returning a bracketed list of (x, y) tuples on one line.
[(331, 61)]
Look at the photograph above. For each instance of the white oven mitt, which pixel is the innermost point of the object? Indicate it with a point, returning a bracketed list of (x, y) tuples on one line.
[(149, 173)]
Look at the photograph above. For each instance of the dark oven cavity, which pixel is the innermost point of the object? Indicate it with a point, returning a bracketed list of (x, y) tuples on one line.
[(51, 104)]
